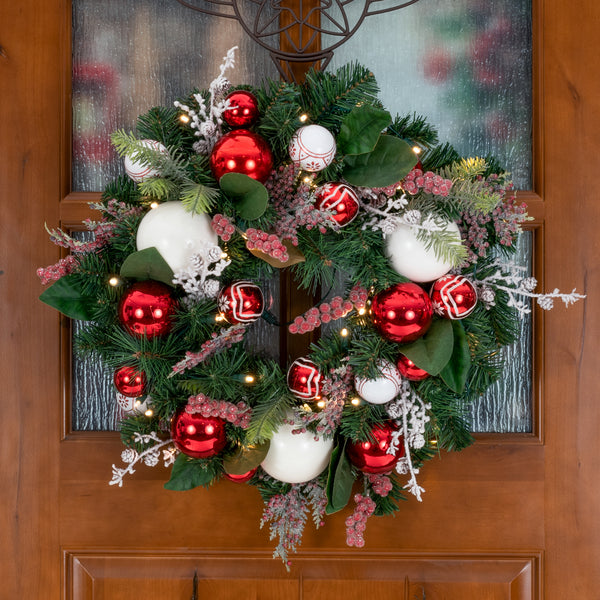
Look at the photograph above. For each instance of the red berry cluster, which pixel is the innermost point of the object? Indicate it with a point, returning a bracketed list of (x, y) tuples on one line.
[(429, 182), (54, 272), (356, 523), (268, 243), (326, 312), (381, 484), (237, 414), (358, 296), (223, 227)]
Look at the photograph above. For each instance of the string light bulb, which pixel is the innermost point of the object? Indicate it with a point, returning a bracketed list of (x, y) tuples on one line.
[(321, 403), (355, 401), (184, 118), (249, 378), (362, 311), (149, 412), (154, 204), (416, 149), (114, 281), (219, 317), (344, 332), (303, 118)]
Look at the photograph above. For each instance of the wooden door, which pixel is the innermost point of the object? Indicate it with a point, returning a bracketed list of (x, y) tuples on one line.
[(514, 516)]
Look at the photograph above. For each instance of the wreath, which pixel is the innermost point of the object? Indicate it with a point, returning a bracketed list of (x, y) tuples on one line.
[(229, 185)]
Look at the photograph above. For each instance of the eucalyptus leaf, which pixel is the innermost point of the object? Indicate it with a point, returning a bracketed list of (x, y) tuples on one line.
[(147, 264), (391, 160), (245, 459), (339, 480), (66, 296), (432, 351), (361, 129), (250, 196), (455, 373), (188, 473)]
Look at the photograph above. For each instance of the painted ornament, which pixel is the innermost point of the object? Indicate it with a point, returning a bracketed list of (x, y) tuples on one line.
[(241, 302), (243, 111), (312, 148), (381, 389), (402, 313), (198, 436), (242, 151), (176, 233), (138, 170), (129, 381), (304, 379), (453, 297), (340, 199), (147, 309), (409, 370), (296, 457), (410, 256), (372, 456), (132, 405)]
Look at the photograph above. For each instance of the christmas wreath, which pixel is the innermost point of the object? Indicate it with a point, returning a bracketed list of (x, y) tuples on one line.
[(227, 186)]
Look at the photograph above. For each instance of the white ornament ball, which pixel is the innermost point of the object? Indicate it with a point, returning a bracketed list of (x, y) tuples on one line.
[(410, 257), (296, 458), (312, 148), (381, 389), (176, 233), (139, 170)]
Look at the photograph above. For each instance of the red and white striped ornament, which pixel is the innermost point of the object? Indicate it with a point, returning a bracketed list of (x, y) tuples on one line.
[(453, 297), (382, 389), (241, 302), (304, 379), (340, 199), (139, 170)]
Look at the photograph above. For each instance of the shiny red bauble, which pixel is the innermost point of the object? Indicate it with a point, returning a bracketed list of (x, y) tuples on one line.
[(129, 382), (340, 199), (147, 309), (198, 436), (372, 456), (304, 379), (409, 370), (243, 111), (241, 302), (242, 151), (402, 313), (453, 297), (243, 478)]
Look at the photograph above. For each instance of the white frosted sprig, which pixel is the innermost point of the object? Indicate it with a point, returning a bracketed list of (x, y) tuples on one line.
[(149, 457), (387, 218)]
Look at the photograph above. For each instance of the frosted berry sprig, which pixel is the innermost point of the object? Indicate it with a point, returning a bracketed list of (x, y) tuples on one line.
[(268, 243), (223, 227), (380, 484), (429, 182), (314, 317), (237, 414), (356, 523), (54, 272)]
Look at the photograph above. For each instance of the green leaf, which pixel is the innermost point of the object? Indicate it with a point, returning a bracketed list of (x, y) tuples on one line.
[(66, 296), (245, 459), (147, 264), (188, 473), (251, 196), (339, 480), (391, 160), (454, 374), (361, 129), (432, 351)]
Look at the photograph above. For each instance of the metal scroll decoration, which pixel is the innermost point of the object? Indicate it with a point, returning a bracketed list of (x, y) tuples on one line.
[(298, 32)]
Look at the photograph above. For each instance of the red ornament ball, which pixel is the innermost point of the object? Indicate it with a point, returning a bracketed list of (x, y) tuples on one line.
[(304, 379), (340, 199), (372, 455), (241, 302), (453, 297), (409, 370), (243, 111), (198, 436), (402, 313), (243, 478), (242, 151), (147, 308), (129, 382)]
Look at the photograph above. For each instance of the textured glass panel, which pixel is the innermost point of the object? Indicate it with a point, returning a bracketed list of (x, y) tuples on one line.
[(130, 55), (465, 65), (507, 405)]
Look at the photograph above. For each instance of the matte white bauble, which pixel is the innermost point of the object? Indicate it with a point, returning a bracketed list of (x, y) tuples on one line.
[(382, 389), (296, 458), (312, 148), (410, 257), (139, 170), (176, 233)]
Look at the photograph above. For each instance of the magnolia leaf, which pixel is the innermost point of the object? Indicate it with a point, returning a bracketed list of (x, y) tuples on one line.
[(454, 374), (147, 264), (295, 256), (245, 459), (66, 296), (188, 473), (250, 196), (361, 129), (432, 351), (391, 160), (339, 480)]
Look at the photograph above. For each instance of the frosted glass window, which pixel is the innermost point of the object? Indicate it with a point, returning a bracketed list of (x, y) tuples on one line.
[(464, 64), (131, 55)]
